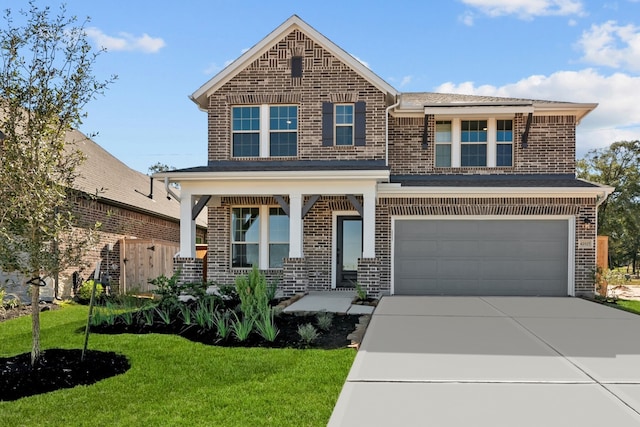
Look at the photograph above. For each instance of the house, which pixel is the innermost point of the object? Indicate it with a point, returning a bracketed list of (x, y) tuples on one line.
[(127, 204), (323, 175)]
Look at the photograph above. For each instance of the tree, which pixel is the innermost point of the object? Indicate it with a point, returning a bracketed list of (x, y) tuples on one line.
[(45, 81), (619, 216), (160, 167)]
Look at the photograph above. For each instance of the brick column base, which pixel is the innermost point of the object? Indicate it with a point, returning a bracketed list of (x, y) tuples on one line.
[(369, 275), (295, 277), (190, 270)]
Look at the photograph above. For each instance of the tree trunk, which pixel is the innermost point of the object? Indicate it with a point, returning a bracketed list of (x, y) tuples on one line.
[(35, 323)]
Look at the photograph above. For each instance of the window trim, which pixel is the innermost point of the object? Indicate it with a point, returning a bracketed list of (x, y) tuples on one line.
[(263, 239), (337, 125), (264, 131)]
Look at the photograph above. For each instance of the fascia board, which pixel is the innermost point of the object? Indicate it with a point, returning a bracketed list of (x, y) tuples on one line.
[(465, 110), (294, 22), (395, 190), (580, 110), (282, 186)]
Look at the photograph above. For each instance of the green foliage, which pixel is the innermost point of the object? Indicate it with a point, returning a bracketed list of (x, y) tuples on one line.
[(241, 327), (324, 320), (252, 291), (308, 334), (146, 315), (220, 321), (619, 215), (84, 291), (360, 292), (46, 80), (185, 314), (164, 314), (266, 327)]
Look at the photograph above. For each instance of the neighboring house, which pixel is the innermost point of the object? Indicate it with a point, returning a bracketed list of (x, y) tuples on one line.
[(323, 175), (126, 204)]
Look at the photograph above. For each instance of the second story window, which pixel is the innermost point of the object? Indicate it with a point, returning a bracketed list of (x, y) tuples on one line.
[(443, 143), (264, 131), (474, 143), (473, 139), (344, 124), (246, 131)]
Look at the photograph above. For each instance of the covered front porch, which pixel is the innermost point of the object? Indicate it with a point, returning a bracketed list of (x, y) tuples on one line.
[(322, 208)]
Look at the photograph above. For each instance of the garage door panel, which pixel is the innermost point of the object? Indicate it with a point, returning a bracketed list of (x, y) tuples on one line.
[(481, 257)]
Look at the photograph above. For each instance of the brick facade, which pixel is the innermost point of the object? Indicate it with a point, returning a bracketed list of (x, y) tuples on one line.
[(266, 79)]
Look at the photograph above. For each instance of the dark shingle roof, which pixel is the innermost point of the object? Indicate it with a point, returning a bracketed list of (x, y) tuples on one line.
[(522, 180), (288, 165)]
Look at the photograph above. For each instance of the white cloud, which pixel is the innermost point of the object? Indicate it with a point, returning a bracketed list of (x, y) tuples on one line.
[(527, 9), (467, 18), (406, 80), (125, 41), (612, 45), (616, 118), (365, 63)]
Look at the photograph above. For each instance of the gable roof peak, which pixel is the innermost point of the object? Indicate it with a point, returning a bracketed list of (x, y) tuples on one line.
[(294, 22)]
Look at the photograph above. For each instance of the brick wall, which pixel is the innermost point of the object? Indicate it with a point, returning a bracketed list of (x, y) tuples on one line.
[(325, 79), (550, 150)]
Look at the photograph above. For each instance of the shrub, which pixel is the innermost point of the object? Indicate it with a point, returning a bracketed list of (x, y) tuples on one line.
[(242, 328), (221, 322), (252, 291), (266, 327), (308, 333), (84, 291), (324, 320)]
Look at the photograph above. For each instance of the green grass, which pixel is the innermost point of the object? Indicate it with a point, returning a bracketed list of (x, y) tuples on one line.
[(628, 305), (175, 382)]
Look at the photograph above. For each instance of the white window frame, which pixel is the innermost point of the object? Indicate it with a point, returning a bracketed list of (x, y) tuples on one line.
[(263, 240), (456, 140), (265, 128), (337, 125)]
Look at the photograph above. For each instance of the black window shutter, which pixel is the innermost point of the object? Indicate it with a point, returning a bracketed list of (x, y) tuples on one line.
[(296, 66), (360, 123), (425, 133), (327, 124)]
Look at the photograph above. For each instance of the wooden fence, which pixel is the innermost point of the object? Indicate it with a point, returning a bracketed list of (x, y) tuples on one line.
[(142, 260)]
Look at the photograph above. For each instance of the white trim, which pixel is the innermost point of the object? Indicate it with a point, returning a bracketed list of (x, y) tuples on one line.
[(334, 242), (265, 120), (464, 110), (396, 190), (571, 224), (298, 175), (200, 96)]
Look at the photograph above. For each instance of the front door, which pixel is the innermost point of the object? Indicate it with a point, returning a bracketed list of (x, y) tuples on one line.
[(348, 250)]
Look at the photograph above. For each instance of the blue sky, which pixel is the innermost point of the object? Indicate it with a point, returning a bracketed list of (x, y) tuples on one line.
[(162, 51)]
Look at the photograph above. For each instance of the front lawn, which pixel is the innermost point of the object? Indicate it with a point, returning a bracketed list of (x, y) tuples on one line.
[(628, 305), (173, 381)]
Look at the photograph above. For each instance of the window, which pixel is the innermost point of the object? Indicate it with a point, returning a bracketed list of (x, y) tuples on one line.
[(443, 143), (246, 131), (263, 131), (474, 143), (259, 236), (473, 138), (344, 124), (278, 237), (296, 66), (504, 143), (245, 237), (283, 137)]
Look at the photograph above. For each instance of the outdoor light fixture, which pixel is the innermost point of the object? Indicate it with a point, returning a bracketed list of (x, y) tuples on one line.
[(586, 223)]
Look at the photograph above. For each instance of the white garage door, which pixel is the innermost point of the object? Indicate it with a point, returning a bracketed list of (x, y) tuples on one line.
[(481, 257)]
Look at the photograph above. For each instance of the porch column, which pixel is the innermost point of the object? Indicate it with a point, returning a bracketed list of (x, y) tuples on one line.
[(187, 227), (295, 225), (369, 224)]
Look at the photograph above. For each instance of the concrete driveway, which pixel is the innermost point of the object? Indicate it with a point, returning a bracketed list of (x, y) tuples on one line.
[(494, 361)]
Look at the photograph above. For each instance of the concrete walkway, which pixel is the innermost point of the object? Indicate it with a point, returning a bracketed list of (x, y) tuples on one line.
[(334, 302), (494, 361)]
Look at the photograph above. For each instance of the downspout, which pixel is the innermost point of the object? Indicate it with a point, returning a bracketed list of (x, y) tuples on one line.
[(386, 132), (169, 190)]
